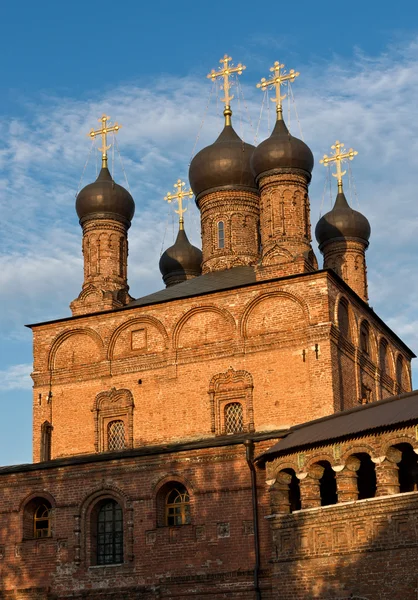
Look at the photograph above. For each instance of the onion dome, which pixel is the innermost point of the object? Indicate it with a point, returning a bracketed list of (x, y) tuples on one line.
[(181, 261), (342, 222), (281, 151), (223, 165), (106, 198)]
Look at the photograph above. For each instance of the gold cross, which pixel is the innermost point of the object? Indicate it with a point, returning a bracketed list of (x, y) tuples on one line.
[(103, 132), (179, 197), (278, 79), (226, 72), (337, 157)]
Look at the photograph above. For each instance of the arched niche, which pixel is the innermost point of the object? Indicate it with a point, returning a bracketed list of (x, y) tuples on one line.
[(138, 336), (202, 326), (274, 314), (75, 349)]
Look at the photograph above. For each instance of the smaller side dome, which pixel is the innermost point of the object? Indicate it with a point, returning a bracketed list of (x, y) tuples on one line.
[(342, 222), (281, 150), (181, 261), (104, 196), (224, 164)]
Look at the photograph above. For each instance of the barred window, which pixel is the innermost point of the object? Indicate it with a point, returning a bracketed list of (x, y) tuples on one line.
[(234, 419), (42, 521), (116, 435), (177, 507), (221, 234), (109, 533), (364, 337)]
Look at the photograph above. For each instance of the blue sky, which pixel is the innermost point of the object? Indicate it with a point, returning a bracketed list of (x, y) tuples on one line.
[(145, 64)]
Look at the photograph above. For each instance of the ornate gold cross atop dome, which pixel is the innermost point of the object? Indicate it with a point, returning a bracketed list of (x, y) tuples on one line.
[(226, 72), (103, 132), (278, 79), (339, 155), (181, 193)]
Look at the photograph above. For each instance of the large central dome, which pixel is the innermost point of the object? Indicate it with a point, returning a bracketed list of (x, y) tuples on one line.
[(223, 165)]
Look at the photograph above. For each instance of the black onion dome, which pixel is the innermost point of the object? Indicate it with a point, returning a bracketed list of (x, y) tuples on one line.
[(281, 150), (105, 196), (342, 222), (225, 164), (180, 261)]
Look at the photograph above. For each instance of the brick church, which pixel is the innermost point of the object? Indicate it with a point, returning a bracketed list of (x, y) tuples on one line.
[(247, 432)]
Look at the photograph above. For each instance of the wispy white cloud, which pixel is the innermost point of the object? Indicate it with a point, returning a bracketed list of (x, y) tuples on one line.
[(16, 377), (369, 103)]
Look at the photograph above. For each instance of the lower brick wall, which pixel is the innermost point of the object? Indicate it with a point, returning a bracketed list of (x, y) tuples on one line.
[(367, 548)]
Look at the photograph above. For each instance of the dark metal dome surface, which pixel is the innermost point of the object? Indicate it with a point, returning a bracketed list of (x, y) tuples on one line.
[(180, 260), (224, 164), (105, 196), (281, 150), (342, 222)]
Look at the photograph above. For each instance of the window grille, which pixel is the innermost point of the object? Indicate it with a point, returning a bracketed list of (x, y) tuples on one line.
[(116, 435), (234, 420), (110, 534), (177, 508), (42, 521), (364, 338), (221, 234)]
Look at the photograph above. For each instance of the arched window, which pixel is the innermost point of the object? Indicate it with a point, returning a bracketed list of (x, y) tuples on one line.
[(221, 234), (343, 318), (46, 434), (116, 435), (233, 417), (383, 356), (399, 370), (365, 337), (407, 469), (327, 485), (366, 477), (109, 528), (294, 491), (42, 521), (177, 506), (37, 519)]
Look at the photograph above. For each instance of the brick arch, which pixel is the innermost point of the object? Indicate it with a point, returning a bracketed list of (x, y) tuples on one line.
[(144, 319), (221, 313), (360, 448), (276, 251), (372, 338), (406, 376), (66, 335), (83, 526), (90, 291), (397, 438), (37, 494), (287, 464), (317, 457), (389, 353), (172, 477), (352, 318), (263, 297)]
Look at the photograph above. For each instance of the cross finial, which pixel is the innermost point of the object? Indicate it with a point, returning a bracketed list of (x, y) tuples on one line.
[(339, 155), (103, 132), (278, 79), (181, 193), (226, 72)]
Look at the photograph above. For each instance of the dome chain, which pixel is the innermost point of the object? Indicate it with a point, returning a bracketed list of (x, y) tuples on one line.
[(85, 166), (352, 186), (296, 112), (241, 93), (121, 162), (260, 116), (203, 120), (327, 181)]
